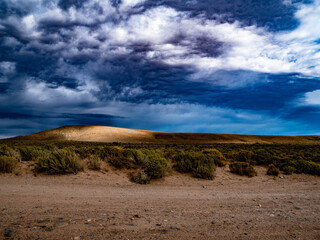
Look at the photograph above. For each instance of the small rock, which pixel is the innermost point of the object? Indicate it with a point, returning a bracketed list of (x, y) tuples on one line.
[(42, 221), (90, 234), (297, 207), (76, 238), (131, 224), (136, 216), (165, 211), (49, 229), (9, 232), (163, 230), (61, 224), (158, 224), (174, 228), (40, 226), (212, 222)]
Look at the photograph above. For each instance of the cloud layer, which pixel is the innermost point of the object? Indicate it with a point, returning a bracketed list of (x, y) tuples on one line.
[(186, 65)]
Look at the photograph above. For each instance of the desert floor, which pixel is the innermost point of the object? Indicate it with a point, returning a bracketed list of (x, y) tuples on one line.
[(96, 205)]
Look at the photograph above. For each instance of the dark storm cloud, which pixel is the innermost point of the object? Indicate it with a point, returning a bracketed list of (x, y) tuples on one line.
[(18, 9), (272, 14), (65, 4), (35, 122)]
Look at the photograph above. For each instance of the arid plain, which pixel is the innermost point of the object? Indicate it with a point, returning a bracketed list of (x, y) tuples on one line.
[(105, 204)]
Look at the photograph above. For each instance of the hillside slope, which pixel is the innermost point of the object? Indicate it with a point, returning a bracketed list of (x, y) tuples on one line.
[(113, 134)]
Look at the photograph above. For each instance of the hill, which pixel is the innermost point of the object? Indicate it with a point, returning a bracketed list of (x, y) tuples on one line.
[(114, 134)]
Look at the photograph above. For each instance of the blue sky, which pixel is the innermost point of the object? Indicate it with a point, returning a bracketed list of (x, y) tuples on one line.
[(243, 66)]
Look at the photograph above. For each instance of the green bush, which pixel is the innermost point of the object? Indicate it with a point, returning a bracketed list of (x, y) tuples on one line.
[(199, 164), (94, 163), (107, 153), (219, 159), (156, 166), (140, 177), (262, 157), (243, 168), (138, 157), (122, 162), (87, 152), (7, 164), (204, 171), (272, 170), (60, 161), (10, 152), (117, 158), (30, 153), (288, 170), (303, 166), (242, 156)]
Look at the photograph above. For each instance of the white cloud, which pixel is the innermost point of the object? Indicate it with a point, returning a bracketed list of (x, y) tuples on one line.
[(127, 4), (312, 98), (243, 48), (38, 93)]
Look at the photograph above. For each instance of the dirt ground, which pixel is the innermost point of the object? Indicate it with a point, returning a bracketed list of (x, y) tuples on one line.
[(96, 205)]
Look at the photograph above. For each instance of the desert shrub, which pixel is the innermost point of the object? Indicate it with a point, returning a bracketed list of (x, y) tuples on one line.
[(204, 171), (242, 156), (303, 166), (7, 164), (243, 168), (10, 152), (140, 177), (199, 164), (272, 170), (122, 162), (262, 157), (109, 152), (288, 170), (185, 162), (30, 153), (60, 161), (137, 156), (116, 158), (219, 159), (156, 166), (94, 163), (87, 152)]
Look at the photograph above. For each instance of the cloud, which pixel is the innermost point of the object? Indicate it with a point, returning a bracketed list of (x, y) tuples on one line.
[(161, 57), (199, 118), (312, 98)]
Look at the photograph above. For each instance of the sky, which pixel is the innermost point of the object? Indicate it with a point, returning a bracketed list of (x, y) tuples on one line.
[(219, 66)]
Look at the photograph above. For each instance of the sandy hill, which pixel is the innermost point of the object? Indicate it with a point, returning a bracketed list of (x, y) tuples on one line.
[(113, 134)]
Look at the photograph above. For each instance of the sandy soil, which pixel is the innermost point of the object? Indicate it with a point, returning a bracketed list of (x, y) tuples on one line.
[(94, 205)]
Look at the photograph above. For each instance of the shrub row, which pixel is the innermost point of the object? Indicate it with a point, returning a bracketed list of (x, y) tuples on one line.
[(152, 159), (242, 168), (61, 161), (7, 164), (199, 164)]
